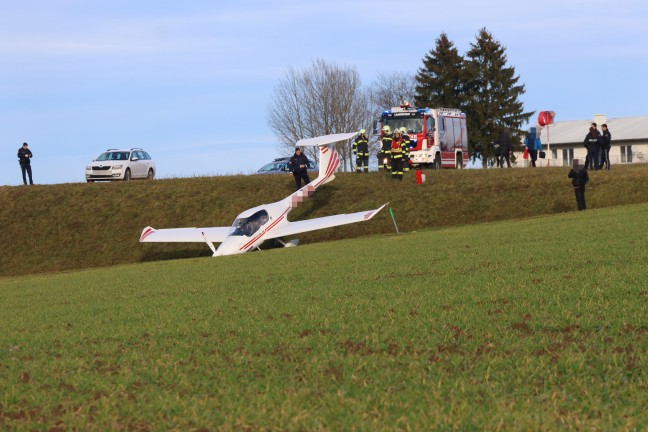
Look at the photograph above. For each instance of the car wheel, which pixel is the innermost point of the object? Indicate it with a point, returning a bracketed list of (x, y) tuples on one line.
[(437, 161), (150, 174), (127, 175), (459, 164), (90, 181)]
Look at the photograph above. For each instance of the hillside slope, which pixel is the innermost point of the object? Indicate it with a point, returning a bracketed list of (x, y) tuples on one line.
[(49, 228)]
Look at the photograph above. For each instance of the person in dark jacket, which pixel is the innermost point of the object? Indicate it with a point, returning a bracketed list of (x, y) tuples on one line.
[(24, 158), (361, 150), (298, 166), (503, 147), (604, 152), (384, 154), (591, 143), (408, 143), (396, 152), (579, 178)]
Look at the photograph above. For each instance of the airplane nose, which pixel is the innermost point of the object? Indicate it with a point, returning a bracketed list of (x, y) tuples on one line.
[(229, 247)]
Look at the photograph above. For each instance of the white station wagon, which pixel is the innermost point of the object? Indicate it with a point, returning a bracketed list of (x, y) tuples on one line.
[(116, 164)]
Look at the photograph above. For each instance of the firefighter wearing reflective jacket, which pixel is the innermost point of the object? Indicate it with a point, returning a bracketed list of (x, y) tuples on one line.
[(406, 158), (384, 155), (361, 150), (397, 151)]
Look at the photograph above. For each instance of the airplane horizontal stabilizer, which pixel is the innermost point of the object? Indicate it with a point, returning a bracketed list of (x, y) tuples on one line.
[(326, 139)]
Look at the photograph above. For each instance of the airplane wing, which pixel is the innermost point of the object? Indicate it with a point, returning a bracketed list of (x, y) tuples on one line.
[(323, 222), (199, 235)]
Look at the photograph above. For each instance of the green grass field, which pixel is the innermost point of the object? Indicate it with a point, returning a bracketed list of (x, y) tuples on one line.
[(531, 324)]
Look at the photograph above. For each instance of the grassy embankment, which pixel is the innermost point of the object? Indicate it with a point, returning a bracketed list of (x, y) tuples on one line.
[(483, 327), (48, 228)]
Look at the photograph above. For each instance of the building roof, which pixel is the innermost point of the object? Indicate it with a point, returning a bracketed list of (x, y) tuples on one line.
[(570, 132)]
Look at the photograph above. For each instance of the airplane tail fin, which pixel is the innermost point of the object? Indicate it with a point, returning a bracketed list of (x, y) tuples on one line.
[(329, 160)]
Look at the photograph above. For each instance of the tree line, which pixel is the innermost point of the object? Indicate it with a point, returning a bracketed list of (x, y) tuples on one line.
[(325, 98)]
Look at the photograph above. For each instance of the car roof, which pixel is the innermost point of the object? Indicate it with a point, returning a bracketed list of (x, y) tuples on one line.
[(123, 150)]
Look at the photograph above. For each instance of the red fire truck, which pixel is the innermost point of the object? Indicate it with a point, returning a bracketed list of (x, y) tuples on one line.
[(438, 136)]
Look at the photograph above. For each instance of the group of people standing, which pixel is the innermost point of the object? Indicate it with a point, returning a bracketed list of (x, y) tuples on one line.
[(394, 152), (503, 146), (394, 155), (598, 147), (598, 156)]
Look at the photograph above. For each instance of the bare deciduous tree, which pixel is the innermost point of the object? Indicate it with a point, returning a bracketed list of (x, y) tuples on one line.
[(388, 89), (321, 100)]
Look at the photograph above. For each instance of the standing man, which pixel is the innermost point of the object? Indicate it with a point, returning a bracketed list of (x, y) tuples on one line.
[(24, 157), (361, 150), (397, 151), (406, 149), (384, 155), (503, 146), (591, 143), (605, 143), (579, 178), (531, 145), (298, 165)]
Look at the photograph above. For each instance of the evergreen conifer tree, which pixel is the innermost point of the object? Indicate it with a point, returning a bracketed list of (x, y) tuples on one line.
[(492, 96), (440, 82)]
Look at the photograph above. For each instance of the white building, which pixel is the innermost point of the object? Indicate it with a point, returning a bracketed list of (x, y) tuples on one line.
[(563, 141)]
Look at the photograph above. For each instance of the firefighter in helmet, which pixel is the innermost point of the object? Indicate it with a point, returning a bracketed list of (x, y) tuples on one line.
[(384, 155), (397, 151), (406, 140), (361, 150)]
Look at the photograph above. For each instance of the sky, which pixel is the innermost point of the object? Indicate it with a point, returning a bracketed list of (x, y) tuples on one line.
[(190, 81)]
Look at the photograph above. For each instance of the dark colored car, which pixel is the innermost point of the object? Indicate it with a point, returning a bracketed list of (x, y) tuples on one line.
[(280, 165)]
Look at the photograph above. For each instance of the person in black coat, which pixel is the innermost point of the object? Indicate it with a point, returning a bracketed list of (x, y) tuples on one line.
[(298, 166), (579, 178), (24, 158), (503, 147), (361, 150), (591, 143), (605, 142)]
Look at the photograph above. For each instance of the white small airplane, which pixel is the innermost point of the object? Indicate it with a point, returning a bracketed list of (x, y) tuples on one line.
[(269, 221)]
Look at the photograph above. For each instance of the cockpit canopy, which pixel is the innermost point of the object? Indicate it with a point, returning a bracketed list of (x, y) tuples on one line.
[(249, 225)]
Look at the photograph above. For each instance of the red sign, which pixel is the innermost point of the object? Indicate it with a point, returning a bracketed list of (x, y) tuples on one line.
[(546, 118)]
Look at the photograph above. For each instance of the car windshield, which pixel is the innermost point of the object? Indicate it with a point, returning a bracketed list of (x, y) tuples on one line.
[(250, 225), (111, 156), (412, 124), (274, 166)]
